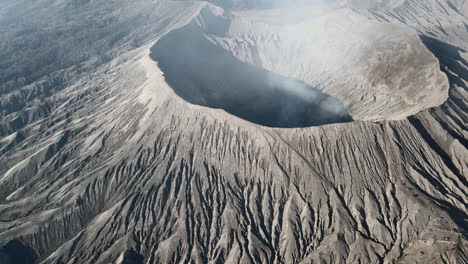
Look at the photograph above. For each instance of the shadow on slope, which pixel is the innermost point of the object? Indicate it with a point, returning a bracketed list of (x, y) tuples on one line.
[(454, 66), (202, 73), (14, 252)]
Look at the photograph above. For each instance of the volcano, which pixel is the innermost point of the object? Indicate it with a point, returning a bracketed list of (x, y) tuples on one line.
[(233, 131)]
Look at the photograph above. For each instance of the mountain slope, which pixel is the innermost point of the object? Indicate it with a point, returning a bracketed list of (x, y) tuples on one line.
[(110, 165)]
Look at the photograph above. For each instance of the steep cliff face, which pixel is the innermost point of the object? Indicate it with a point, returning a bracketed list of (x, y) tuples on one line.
[(108, 161)]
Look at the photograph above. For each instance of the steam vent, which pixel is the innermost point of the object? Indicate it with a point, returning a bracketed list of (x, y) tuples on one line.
[(233, 131)]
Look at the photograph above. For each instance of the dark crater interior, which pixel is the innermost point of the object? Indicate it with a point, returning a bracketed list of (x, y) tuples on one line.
[(204, 74)]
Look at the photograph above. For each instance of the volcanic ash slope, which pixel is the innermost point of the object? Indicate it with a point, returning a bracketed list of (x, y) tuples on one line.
[(119, 168)]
